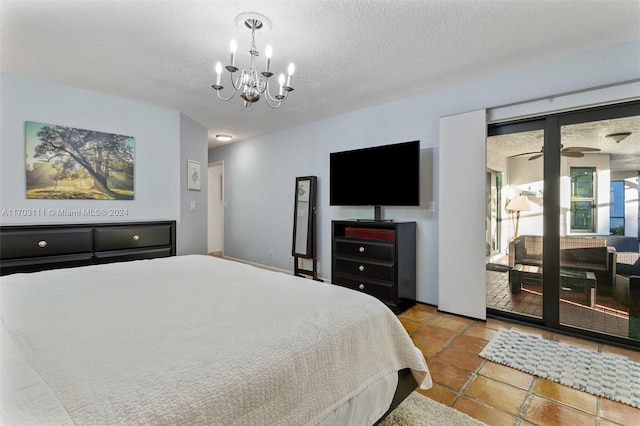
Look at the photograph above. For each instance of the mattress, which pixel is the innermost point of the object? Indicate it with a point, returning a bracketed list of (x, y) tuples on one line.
[(197, 340)]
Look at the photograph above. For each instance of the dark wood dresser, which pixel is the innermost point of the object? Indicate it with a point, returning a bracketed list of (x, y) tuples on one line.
[(38, 247), (377, 258)]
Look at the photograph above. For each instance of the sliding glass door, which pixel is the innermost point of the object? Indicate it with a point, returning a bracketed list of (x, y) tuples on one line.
[(513, 284), (569, 208), (600, 163)]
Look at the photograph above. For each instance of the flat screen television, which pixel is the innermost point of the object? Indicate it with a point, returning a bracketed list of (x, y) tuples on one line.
[(387, 175)]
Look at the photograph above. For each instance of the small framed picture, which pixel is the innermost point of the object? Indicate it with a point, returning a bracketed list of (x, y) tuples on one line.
[(194, 175), (303, 190)]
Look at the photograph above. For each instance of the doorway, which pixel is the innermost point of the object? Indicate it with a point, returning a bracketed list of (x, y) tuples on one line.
[(562, 266), (493, 231), (215, 212)]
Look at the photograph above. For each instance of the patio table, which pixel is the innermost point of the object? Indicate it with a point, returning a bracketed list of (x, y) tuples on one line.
[(570, 279)]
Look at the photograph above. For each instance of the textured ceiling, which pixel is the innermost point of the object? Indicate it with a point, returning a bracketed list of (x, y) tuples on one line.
[(624, 155), (348, 54)]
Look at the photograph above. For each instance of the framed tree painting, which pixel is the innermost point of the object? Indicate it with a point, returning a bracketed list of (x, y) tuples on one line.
[(193, 175), (69, 163)]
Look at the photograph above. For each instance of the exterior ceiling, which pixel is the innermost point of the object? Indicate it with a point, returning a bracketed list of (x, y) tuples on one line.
[(625, 155), (349, 55)]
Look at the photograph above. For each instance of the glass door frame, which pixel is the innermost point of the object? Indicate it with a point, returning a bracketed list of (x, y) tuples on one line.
[(552, 125), (522, 126)]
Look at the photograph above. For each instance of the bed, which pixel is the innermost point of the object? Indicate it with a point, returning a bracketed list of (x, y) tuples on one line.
[(197, 340)]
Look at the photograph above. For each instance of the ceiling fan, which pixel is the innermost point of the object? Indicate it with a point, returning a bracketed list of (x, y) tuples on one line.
[(573, 151)]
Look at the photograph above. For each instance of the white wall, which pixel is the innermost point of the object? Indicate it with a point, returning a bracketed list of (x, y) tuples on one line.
[(498, 163), (157, 145), (260, 184), (461, 248), (260, 173), (215, 211), (192, 227), (631, 200)]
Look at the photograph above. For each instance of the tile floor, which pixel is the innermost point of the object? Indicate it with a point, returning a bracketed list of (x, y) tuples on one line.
[(499, 395)]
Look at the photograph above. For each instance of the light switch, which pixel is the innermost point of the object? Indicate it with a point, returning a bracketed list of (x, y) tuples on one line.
[(193, 205)]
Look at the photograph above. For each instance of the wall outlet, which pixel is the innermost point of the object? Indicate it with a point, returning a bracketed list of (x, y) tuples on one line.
[(271, 254)]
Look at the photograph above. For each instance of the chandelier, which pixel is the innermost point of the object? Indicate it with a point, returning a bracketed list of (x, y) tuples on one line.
[(250, 83)]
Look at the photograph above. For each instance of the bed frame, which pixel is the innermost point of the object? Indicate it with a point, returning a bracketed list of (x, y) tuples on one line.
[(31, 248), (406, 385)]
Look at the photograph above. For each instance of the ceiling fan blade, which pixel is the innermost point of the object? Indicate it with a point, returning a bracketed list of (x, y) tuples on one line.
[(585, 149), (580, 149), (533, 157), (525, 153), (572, 154)]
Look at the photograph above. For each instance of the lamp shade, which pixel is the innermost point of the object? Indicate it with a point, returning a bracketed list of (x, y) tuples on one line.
[(519, 203)]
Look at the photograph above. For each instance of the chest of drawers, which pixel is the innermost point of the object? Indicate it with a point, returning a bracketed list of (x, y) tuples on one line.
[(37, 247), (377, 258)]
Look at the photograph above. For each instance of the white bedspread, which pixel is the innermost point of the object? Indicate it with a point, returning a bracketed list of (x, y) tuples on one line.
[(190, 340)]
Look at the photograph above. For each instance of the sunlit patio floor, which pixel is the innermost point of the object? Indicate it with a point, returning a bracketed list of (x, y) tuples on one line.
[(607, 316)]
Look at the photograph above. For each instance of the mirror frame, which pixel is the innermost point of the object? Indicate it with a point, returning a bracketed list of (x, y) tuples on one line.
[(304, 210)]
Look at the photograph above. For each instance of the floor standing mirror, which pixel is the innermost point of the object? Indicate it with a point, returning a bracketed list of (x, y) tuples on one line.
[(304, 228)]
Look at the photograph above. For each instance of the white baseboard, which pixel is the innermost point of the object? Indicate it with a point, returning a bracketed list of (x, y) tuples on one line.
[(259, 265), (270, 268)]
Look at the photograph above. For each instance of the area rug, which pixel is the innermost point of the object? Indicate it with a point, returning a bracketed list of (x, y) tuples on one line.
[(418, 410), (610, 376)]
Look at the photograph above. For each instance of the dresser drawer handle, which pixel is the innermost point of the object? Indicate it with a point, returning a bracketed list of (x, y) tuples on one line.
[(136, 238), (361, 249), (361, 286), (361, 268), (42, 244)]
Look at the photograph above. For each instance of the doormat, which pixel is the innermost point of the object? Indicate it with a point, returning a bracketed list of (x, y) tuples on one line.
[(604, 375)]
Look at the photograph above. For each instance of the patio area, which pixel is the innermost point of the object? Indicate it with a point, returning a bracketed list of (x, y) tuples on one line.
[(606, 316)]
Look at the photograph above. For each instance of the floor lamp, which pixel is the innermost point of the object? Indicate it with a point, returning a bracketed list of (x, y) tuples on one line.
[(519, 203)]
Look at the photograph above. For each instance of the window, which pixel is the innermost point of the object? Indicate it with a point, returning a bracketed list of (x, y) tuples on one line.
[(583, 200), (616, 211)]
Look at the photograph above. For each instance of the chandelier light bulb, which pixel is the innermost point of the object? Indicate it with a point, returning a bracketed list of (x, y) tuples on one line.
[(290, 71), (268, 52), (218, 72), (281, 81), (233, 46)]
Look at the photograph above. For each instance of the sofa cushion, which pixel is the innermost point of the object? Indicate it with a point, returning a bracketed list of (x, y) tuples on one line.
[(592, 258), (622, 243), (628, 263), (575, 252), (581, 242)]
